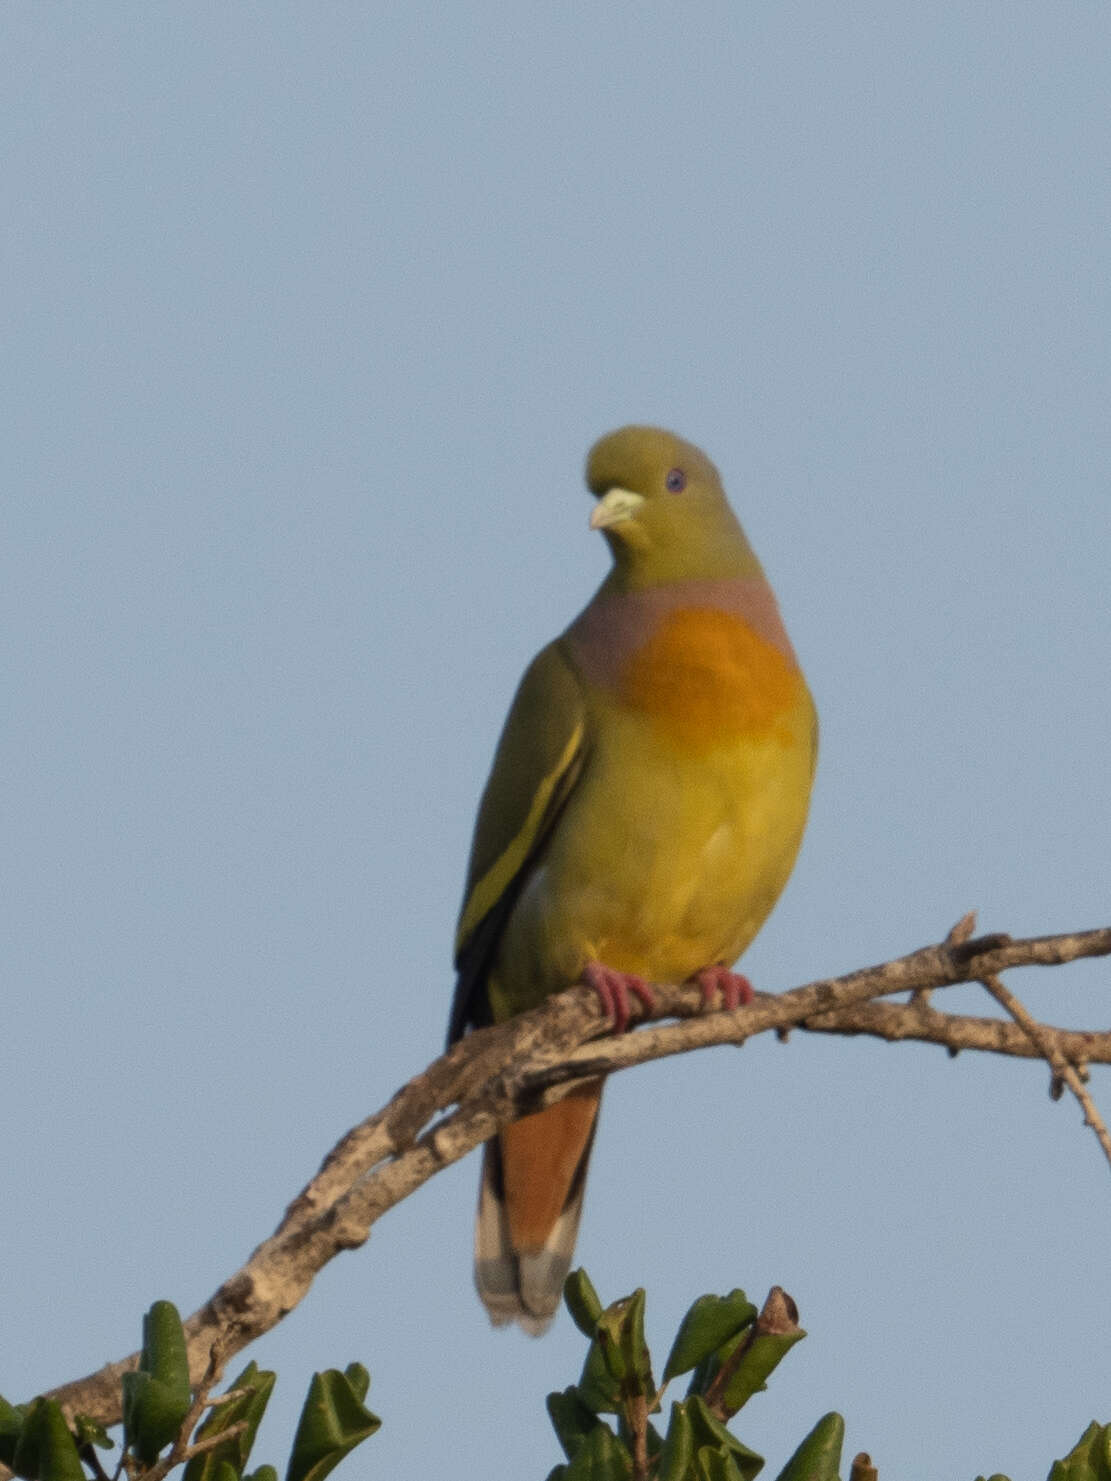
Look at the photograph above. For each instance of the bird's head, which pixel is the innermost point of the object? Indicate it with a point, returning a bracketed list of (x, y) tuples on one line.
[(663, 510)]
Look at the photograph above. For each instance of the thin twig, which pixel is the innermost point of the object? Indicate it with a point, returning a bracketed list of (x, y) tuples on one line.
[(181, 1451), (90, 1458), (905, 1022), (1063, 1070), (636, 1417), (963, 931), (777, 1317)]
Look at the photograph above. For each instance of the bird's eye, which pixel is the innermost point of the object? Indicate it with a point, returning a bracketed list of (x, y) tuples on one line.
[(676, 481)]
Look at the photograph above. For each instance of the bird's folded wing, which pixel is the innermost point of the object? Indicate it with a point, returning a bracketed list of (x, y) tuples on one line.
[(537, 763)]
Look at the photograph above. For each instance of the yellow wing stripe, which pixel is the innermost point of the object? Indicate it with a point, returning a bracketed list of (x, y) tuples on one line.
[(489, 889)]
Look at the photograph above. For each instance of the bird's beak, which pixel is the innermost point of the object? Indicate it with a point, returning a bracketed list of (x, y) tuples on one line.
[(614, 507)]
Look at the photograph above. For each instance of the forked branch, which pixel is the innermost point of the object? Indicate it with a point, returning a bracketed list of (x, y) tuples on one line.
[(499, 1074)]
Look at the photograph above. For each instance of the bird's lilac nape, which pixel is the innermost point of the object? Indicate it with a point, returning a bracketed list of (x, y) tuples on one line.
[(614, 627)]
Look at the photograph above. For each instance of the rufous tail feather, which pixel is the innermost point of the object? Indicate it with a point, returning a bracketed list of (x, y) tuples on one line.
[(529, 1203)]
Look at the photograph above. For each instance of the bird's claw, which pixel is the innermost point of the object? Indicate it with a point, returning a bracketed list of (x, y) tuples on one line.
[(735, 989), (613, 989)]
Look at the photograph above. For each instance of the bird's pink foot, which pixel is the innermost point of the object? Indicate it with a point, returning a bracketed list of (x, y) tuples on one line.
[(613, 989), (734, 988)]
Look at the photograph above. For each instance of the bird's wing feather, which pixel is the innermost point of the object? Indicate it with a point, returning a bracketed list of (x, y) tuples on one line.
[(536, 765)]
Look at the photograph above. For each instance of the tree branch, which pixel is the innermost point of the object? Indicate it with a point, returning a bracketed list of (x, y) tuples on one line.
[(499, 1074), (1064, 1071)]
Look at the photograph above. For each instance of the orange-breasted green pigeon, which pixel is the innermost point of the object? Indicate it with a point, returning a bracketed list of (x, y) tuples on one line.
[(643, 812)]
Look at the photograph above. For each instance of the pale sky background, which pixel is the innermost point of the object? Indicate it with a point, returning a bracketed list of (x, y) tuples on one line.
[(310, 314)]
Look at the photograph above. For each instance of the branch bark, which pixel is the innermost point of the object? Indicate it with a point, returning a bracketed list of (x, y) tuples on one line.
[(1065, 1072), (499, 1074)]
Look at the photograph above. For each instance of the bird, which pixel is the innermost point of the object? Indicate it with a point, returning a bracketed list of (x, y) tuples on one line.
[(643, 812)]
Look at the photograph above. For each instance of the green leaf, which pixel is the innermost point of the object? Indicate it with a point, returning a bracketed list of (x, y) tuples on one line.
[(677, 1455), (819, 1455), (597, 1389), (711, 1321), (1076, 1469), (653, 1439), (156, 1399), (359, 1379), (45, 1449), (571, 1419), (763, 1354), (618, 1365), (1089, 1459), (582, 1301), (262, 1473), (716, 1465), (12, 1417), (601, 1457), (620, 1335), (333, 1421), (610, 1345), (256, 1385), (709, 1431)]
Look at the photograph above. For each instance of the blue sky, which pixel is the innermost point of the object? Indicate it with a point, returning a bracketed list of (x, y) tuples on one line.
[(311, 314)]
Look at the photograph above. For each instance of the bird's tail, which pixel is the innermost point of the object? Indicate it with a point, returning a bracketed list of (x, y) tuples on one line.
[(529, 1203)]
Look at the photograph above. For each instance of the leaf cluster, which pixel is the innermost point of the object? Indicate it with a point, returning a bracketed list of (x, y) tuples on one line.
[(1088, 1460), (727, 1346), (168, 1421), (730, 1349)]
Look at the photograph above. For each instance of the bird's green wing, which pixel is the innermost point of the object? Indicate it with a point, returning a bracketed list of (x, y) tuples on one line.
[(537, 763)]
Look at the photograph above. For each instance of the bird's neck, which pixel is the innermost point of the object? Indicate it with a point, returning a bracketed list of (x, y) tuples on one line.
[(617, 623)]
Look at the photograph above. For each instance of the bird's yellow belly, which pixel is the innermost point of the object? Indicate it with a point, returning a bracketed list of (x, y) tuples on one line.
[(665, 866)]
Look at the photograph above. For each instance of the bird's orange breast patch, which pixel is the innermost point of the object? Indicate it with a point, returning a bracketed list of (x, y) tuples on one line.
[(706, 677)]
